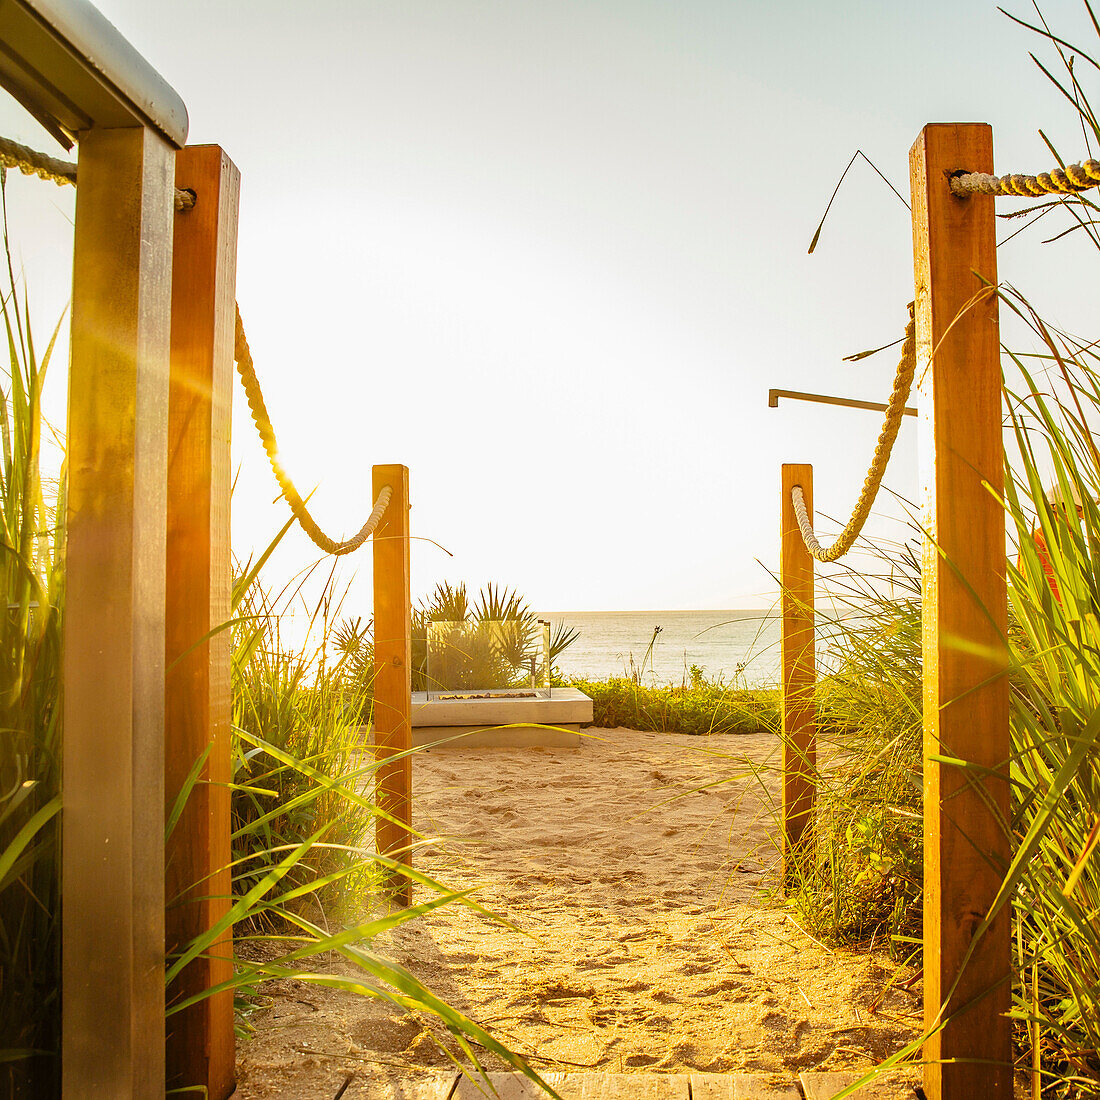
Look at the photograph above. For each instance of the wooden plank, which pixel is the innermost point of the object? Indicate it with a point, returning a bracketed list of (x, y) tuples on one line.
[(201, 1049), (824, 1086), (581, 1086), (796, 574), (392, 715), (636, 1086), (113, 748), (716, 1086), (641, 1086), (965, 685), (742, 1086), (435, 1086), (508, 1086), (440, 1087)]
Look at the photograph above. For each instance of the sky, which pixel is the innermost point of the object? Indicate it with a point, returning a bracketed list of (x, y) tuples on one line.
[(552, 254)]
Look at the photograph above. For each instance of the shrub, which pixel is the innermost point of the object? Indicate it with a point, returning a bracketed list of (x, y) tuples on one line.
[(706, 707), (862, 877)]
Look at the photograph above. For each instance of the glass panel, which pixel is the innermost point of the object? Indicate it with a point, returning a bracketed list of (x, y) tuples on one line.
[(489, 659)]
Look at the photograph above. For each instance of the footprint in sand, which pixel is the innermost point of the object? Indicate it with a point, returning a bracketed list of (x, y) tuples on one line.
[(463, 957), (801, 1030), (727, 985), (692, 968)]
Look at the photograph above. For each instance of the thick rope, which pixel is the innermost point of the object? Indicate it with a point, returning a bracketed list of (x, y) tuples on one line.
[(895, 411), (1071, 180), (247, 372), (62, 172), (32, 163)]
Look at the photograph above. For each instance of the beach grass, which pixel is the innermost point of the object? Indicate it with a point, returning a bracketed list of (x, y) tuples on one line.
[(861, 880), (308, 902), (701, 708), (305, 903), (32, 571)]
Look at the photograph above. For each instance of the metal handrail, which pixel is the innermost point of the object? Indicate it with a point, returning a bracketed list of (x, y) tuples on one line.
[(67, 64)]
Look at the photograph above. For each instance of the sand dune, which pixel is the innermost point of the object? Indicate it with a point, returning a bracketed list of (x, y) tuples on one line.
[(638, 871)]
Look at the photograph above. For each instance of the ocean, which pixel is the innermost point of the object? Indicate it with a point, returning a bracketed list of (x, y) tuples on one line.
[(736, 645)]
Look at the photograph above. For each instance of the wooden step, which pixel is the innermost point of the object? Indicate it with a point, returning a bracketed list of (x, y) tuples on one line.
[(824, 1086), (650, 1086), (580, 1086)]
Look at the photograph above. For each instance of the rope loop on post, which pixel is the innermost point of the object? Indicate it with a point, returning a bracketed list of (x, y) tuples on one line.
[(1074, 178), (63, 172), (895, 410), (1071, 180), (247, 371)]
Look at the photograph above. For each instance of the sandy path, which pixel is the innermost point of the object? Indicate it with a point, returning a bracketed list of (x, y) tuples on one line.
[(639, 866)]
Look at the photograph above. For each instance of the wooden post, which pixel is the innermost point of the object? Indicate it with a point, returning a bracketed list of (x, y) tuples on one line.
[(967, 846), (796, 570), (392, 718), (113, 747), (201, 1049)]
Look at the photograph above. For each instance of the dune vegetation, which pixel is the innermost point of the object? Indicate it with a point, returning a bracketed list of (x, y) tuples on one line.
[(304, 868), (307, 885)]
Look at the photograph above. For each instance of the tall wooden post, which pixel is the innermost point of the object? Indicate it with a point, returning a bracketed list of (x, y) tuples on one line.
[(197, 712), (796, 575), (113, 755), (393, 675), (967, 845)]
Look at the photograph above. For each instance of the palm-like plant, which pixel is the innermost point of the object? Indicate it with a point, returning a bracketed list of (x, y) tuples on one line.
[(485, 644)]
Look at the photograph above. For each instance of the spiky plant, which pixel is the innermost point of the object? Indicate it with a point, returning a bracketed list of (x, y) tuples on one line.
[(31, 568)]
